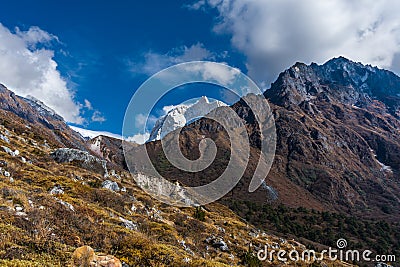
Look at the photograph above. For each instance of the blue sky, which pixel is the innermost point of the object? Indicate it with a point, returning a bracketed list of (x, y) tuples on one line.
[(93, 55)]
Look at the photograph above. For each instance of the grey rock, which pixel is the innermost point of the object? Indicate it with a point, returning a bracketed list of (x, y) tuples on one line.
[(9, 151), (65, 204), (4, 138), (57, 190), (217, 242), (110, 185), (128, 224), (82, 158)]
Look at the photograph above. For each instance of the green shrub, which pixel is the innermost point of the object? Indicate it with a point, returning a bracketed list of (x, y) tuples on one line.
[(199, 214)]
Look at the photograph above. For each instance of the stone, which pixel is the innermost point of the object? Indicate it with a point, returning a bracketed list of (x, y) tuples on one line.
[(82, 158), (18, 208), (106, 261), (110, 185), (4, 138), (57, 190), (128, 224), (85, 257), (218, 243)]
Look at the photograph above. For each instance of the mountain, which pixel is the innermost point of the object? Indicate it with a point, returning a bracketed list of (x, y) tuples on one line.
[(62, 205), (338, 153), (181, 115), (338, 145), (30, 116), (338, 133), (344, 81)]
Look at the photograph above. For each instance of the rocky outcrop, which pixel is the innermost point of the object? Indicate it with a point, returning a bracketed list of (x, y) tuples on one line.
[(108, 148), (82, 158), (110, 185), (86, 257), (337, 146), (33, 115)]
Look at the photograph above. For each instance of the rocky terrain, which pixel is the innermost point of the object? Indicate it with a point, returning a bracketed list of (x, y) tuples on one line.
[(338, 153), (336, 173), (62, 203), (21, 113)]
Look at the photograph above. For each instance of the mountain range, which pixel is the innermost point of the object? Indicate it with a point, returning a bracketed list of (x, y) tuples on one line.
[(336, 173), (338, 148)]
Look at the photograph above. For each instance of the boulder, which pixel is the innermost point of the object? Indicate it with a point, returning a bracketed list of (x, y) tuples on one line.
[(57, 190), (83, 256), (106, 261), (110, 185), (82, 158), (86, 257), (217, 242)]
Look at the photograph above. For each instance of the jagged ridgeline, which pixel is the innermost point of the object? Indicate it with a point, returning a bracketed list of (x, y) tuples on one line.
[(68, 201), (336, 174), (338, 151)]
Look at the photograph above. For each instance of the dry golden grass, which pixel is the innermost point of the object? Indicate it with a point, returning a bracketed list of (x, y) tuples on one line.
[(49, 232)]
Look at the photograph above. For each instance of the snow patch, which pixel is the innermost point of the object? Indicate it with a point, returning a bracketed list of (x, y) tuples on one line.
[(180, 115), (90, 134)]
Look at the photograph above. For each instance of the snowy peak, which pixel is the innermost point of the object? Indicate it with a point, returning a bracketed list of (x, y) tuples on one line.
[(41, 107), (90, 134), (181, 115)]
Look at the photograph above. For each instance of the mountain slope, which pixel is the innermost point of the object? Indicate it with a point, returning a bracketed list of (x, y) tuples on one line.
[(338, 144), (338, 147), (52, 201), (25, 114)]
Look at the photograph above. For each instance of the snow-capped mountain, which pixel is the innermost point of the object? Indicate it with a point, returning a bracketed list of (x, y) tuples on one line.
[(181, 115), (90, 134)]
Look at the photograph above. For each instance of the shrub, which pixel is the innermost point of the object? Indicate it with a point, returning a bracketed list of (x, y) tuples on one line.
[(199, 214)]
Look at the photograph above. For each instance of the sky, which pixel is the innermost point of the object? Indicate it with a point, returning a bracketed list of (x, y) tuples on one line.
[(86, 59)]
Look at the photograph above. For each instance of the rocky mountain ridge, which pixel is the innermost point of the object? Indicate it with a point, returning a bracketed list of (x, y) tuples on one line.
[(338, 145), (181, 115), (61, 206)]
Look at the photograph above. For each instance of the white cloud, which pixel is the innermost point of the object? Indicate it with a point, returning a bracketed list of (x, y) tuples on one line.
[(35, 35), (88, 105), (141, 120), (275, 34), (97, 117), (154, 62), (28, 70), (138, 138), (217, 72), (197, 5)]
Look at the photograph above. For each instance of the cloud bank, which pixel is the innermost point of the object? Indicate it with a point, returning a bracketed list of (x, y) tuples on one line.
[(153, 62), (274, 34), (27, 67)]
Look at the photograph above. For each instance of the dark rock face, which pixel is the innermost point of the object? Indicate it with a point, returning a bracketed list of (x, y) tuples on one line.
[(109, 149), (338, 79)]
